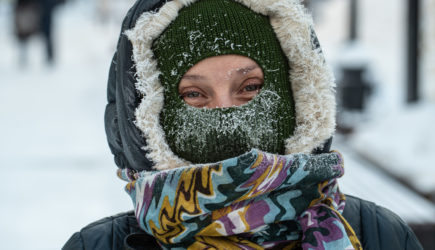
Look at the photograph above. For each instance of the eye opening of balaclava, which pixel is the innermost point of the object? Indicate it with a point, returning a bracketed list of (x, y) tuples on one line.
[(210, 28)]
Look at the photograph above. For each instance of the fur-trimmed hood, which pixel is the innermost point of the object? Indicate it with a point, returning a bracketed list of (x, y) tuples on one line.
[(135, 94)]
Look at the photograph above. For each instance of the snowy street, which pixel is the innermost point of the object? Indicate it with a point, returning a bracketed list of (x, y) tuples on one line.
[(58, 174), (396, 137)]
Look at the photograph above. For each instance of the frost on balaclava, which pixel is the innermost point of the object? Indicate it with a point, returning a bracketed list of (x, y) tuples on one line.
[(220, 27)]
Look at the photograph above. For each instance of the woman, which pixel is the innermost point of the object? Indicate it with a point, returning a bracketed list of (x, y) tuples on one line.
[(220, 118)]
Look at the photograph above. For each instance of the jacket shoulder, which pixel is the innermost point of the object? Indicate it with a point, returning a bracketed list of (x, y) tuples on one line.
[(378, 227), (106, 233)]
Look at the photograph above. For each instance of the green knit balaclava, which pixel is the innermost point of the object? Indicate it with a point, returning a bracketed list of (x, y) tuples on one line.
[(209, 28)]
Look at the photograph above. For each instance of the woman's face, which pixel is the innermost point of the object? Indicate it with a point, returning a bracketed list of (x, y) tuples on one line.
[(221, 81)]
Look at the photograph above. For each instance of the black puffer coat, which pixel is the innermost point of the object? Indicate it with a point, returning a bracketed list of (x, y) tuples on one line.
[(377, 228)]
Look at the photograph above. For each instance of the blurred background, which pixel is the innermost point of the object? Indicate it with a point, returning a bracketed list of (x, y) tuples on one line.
[(58, 174)]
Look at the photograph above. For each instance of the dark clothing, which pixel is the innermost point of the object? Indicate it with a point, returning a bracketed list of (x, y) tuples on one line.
[(46, 25), (375, 226), (27, 16), (378, 227), (114, 232)]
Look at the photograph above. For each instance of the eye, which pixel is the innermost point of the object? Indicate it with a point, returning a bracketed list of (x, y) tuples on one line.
[(191, 94), (252, 87), (194, 97)]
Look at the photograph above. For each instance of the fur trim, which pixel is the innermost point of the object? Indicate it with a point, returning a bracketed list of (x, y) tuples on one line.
[(311, 79)]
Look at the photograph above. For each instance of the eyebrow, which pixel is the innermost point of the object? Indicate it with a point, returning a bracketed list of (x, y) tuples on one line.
[(194, 77), (239, 71), (246, 69)]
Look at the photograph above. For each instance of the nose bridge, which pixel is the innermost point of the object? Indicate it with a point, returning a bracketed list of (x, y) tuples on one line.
[(223, 100)]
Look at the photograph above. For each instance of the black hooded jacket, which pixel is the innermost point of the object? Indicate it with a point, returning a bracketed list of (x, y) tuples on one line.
[(376, 227)]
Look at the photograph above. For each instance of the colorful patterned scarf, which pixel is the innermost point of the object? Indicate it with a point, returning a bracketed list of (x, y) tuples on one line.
[(255, 201)]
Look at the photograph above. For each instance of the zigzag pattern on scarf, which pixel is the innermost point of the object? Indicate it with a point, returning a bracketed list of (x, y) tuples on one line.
[(255, 201)]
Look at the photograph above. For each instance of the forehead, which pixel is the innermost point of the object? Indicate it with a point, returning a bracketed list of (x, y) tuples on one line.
[(233, 63)]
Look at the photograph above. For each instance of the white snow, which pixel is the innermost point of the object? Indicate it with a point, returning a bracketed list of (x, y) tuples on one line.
[(398, 137), (366, 181), (252, 125), (58, 174), (403, 142)]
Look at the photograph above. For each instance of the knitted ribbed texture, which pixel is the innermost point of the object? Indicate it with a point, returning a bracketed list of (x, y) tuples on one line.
[(219, 27)]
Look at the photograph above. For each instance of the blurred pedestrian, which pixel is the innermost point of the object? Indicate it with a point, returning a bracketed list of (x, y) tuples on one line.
[(35, 17), (220, 117)]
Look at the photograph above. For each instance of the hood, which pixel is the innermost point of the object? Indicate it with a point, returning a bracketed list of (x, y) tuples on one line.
[(135, 95)]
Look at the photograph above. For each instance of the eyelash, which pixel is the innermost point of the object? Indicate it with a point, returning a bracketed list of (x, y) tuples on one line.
[(256, 84), (186, 94), (257, 87)]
